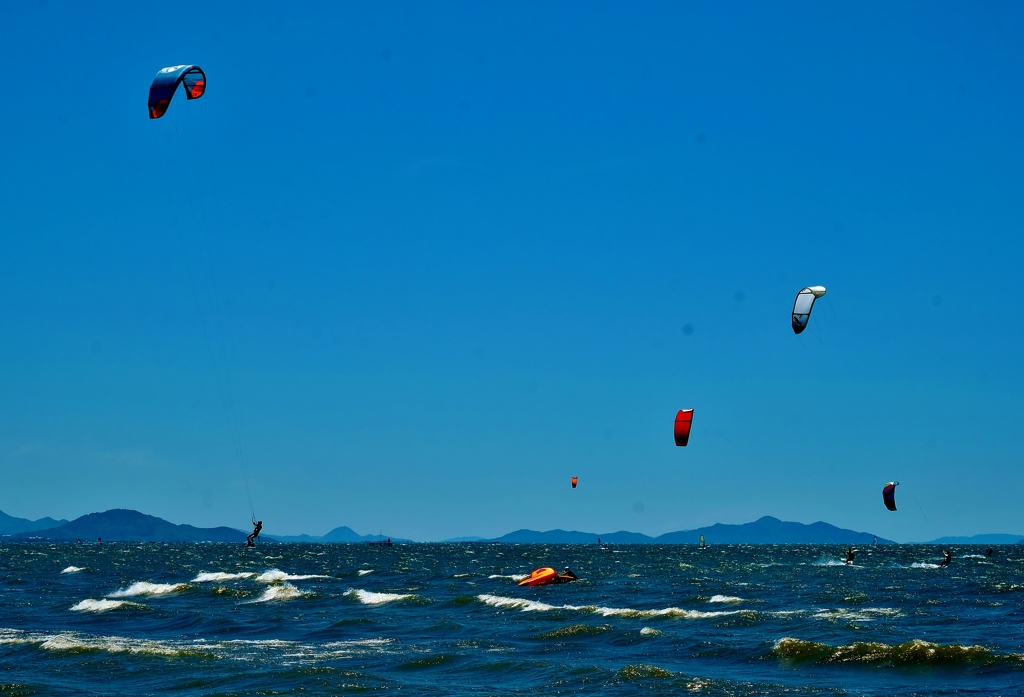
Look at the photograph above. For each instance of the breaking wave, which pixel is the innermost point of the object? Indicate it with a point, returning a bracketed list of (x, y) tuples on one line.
[(371, 598), (278, 576), (207, 577), (90, 605), (535, 606), (725, 599), (909, 653), (147, 588), (74, 642), (363, 572), (72, 570), (282, 591)]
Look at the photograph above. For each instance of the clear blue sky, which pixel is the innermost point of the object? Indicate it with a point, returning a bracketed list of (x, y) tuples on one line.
[(445, 252)]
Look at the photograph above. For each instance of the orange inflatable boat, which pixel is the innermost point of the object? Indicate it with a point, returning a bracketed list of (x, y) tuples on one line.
[(546, 576), (540, 577)]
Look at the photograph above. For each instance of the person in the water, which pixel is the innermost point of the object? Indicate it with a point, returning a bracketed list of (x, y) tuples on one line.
[(566, 576), (988, 552), (849, 555), (947, 559), (258, 526)]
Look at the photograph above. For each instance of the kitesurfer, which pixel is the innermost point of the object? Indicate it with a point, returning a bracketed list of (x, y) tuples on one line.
[(988, 552), (258, 526), (849, 555), (948, 558), (566, 576)]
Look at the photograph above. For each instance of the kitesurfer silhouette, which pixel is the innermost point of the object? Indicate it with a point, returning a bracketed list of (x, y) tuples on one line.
[(948, 558), (988, 552), (849, 555), (258, 526)]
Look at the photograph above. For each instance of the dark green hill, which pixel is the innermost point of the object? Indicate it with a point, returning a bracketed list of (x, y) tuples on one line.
[(122, 524)]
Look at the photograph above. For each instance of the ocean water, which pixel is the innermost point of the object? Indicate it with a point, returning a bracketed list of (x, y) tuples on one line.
[(449, 619)]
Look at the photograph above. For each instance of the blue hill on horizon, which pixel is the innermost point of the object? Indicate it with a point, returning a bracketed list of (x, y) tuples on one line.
[(983, 539), (339, 534), (764, 530), (124, 525), (9, 525), (128, 525)]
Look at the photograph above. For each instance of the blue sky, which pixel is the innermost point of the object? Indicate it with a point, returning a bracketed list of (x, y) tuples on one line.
[(444, 254)]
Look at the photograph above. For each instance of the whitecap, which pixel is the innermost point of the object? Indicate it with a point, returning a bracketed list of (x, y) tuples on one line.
[(861, 614), (522, 603), (371, 598), (73, 570), (825, 561), (923, 565), (68, 641), (648, 631), (363, 572), (90, 605), (535, 606), (283, 591), (514, 577), (278, 576), (725, 599), (147, 588), (208, 576)]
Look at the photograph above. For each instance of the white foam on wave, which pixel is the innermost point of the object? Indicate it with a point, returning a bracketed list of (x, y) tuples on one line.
[(514, 577), (147, 588), (521, 603), (72, 641), (534, 606), (860, 614), (210, 576), (72, 570), (825, 561), (282, 591), (923, 565), (648, 631), (371, 598), (363, 572), (973, 556), (90, 605), (725, 599), (278, 576)]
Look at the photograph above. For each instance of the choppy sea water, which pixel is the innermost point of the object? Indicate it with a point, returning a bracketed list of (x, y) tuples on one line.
[(449, 619)]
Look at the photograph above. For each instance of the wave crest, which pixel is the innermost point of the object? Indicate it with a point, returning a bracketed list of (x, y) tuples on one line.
[(278, 576), (209, 576), (279, 591), (147, 588), (90, 605), (73, 570), (535, 606), (371, 598)]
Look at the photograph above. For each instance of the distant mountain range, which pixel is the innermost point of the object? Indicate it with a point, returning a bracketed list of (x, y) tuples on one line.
[(128, 525), (124, 525), (9, 525), (980, 540), (766, 530), (342, 534)]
